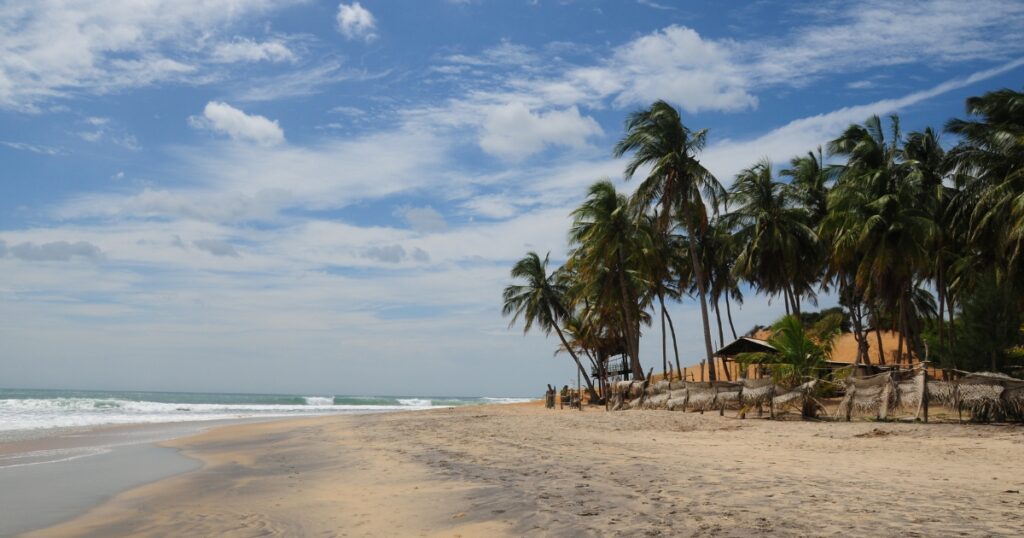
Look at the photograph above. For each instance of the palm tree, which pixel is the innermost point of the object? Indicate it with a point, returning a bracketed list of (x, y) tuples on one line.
[(989, 165), (799, 354), (810, 179), (663, 271), (676, 185), (929, 167), (875, 211), (778, 249), (608, 249), (539, 301)]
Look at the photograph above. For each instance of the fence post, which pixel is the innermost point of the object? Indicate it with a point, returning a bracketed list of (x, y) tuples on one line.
[(922, 408)]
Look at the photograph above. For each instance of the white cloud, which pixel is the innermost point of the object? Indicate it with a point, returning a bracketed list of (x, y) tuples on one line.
[(57, 48), (356, 22), (726, 158), (229, 120), (513, 131), (248, 50), (677, 64), (882, 33), (698, 73)]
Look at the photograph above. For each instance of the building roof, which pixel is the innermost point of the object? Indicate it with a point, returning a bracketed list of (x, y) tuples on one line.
[(745, 344)]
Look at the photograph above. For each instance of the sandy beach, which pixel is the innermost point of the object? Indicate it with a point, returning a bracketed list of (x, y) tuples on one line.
[(523, 470)]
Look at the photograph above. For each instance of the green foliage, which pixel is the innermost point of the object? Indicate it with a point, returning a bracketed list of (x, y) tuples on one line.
[(800, 353), (988, 330), (810, 319)]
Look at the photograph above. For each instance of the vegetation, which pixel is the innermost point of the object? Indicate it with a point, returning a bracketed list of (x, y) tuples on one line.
[(800, 353), (910, 237)]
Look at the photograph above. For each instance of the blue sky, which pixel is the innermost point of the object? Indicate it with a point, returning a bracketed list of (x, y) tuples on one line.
[(314, 197)]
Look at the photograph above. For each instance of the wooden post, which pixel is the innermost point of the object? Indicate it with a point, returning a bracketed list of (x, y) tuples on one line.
[(851, 393), (579, 394), (922, 406)]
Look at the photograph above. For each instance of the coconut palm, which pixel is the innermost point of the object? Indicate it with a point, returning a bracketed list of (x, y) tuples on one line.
[(663, 267), (989, 165), (875, 211), (778, 249), (811, 179), (539, 301), (609, 245), (929, 167), (676, 185)]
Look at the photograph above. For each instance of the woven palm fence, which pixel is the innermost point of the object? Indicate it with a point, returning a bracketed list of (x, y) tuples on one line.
[(700, 396), (986, 396)]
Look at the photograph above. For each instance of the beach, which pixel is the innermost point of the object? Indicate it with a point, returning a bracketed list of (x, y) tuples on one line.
[(513, 470)]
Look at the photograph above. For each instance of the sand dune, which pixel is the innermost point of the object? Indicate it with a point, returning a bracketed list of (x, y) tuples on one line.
[(523, 470)]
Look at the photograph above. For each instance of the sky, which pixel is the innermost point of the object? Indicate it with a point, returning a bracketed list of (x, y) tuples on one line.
[(317, 197)]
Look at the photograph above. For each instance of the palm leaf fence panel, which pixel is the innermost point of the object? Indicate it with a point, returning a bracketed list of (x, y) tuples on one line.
[(990, 396), (702, 396), (986, 396), (796, 396)]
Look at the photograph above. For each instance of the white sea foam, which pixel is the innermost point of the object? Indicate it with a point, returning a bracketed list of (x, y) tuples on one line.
[(415, 402), (33, 411), (32, 414), (506, 400)]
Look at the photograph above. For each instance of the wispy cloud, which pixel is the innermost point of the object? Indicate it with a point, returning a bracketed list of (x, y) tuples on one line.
[(249, 50), (34, 148), (59, 48)]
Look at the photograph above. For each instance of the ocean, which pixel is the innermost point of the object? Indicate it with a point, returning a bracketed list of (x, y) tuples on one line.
[(38, 409)]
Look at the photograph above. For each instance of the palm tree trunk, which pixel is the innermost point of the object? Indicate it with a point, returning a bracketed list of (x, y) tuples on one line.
[(878, 334), (718, 317), (664, 340), (675, 346), (899, 341), (915, 330), (728, 315), (632, 342), (785, 297), (940, 288), (795, 299), (698, 273), (590, 385), (952, 327)]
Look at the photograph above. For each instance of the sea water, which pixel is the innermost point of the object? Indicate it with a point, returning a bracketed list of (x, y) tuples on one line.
[(24, 410)]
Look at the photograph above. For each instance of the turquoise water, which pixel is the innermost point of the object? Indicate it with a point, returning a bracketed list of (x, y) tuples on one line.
[(29, 409)]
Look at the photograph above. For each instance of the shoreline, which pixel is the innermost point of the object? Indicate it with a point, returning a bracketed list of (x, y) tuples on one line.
[(94, 463), (97, 463), (506, 470)]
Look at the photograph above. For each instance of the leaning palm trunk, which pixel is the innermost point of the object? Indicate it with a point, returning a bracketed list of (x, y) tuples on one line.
[(632, 340), (718, 317), (698, 273), (664, 343), (728, 315), (583, 372), (672, 329)]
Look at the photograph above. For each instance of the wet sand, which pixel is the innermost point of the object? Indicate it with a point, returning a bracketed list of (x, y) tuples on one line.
[(523, 470), (50, 476)]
